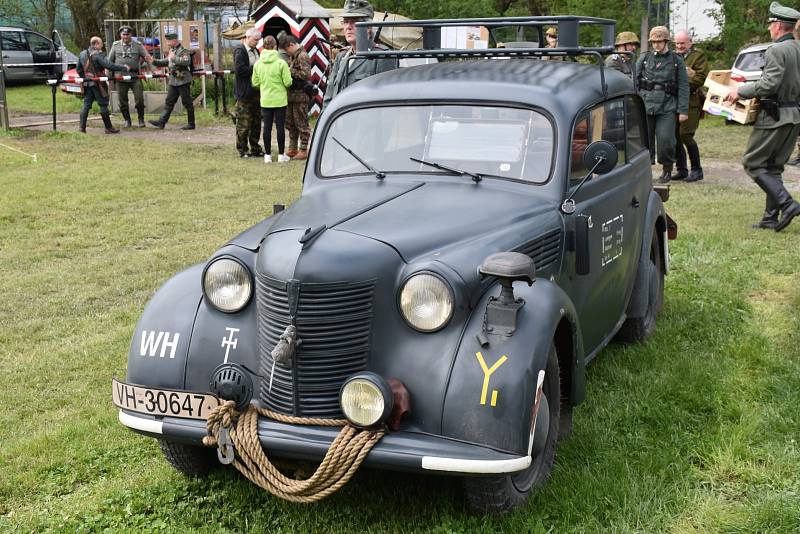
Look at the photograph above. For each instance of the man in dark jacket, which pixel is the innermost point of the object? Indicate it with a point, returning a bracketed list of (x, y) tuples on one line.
[(91, 64), (778, 122), (248, 108)]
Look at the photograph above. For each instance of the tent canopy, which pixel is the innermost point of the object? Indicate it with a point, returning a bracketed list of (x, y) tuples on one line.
[(394, 37)]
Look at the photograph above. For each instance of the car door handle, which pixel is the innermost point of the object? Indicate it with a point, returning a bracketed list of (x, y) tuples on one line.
[(635, 202)]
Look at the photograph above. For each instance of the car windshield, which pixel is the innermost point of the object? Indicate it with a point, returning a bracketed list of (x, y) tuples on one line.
[(750, 61), (487, 140)]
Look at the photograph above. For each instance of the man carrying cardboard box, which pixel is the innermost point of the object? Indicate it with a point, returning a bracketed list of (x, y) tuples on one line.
[(778, 122)]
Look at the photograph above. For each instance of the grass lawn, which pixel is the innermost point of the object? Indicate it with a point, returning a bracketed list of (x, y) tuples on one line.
[(697, 430)]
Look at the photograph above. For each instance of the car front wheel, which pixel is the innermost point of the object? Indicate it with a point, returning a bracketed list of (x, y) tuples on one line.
[(190, 460), (500, 494)]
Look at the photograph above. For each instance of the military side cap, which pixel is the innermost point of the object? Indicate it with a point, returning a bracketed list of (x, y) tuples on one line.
[(782, 13), (171, 35), (354, 9), (125, 29)]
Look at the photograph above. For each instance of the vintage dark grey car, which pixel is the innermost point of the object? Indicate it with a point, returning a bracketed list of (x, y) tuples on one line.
[(474, 232)]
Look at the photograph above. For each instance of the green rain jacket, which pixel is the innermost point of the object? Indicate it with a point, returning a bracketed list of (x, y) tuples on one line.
[(272, 77)]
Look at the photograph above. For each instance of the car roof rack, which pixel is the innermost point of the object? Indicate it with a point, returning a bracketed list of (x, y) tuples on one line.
[(568, 27)]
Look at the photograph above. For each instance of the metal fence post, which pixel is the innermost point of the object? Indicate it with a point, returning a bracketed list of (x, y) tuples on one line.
[(3, 101)]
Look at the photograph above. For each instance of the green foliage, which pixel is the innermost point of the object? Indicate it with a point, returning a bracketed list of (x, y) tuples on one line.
[(743, 22)]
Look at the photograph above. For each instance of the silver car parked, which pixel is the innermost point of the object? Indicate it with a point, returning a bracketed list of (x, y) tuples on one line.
[(29, 56)]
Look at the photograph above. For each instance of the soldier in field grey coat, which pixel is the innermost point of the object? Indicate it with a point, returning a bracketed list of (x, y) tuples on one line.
[(778, 122)]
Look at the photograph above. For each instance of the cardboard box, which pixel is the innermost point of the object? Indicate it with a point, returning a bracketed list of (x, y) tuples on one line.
[(718, 84)]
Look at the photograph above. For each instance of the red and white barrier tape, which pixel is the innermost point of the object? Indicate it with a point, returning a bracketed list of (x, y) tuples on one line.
[(128, 77)]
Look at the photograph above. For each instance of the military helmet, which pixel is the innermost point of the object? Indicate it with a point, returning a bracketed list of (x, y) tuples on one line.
[(626, 38), (659, 33), (356, 9), (551, 31)]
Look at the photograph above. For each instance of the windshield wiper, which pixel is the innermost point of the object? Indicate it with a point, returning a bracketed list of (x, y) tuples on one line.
[(378, 174), (475, 176)]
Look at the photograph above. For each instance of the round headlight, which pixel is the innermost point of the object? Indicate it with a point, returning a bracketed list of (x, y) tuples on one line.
[(366, 399), (426, 302), (227, 284)]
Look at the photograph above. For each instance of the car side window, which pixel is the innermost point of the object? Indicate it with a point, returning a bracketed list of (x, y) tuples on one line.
[(14, 42), (39, 43), (605, 121), (634, 137)]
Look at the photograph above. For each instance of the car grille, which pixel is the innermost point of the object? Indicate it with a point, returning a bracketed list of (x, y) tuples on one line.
[(544, 250), (333, 325)]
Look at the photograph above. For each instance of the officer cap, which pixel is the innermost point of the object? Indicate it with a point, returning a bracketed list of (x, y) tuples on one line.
[(659, 33), (171, 35), (357, 9), (782, 13), (551, 31), (125, 29), (626, 37)]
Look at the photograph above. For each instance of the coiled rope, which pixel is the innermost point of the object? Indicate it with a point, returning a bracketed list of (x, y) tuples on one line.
[(342, 460)]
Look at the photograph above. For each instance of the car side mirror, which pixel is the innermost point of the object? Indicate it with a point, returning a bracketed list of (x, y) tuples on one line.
[(601, 157)]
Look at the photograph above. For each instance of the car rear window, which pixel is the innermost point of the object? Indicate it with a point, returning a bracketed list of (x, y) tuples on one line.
[(750, 61), (495, 141)]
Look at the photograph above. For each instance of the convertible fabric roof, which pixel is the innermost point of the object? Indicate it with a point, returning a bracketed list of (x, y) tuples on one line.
[(396, 38)]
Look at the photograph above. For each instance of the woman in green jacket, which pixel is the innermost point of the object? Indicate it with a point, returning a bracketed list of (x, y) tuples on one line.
[(272, 77)]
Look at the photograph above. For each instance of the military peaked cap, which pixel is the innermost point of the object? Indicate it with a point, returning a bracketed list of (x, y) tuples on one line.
[(171, 35), (782, 13), (354, 9), (125, 29)]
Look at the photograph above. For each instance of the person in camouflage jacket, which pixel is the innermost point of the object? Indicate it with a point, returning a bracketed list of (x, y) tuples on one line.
[(299, 96)]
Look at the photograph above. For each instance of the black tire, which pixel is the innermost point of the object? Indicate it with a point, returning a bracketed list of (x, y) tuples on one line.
[(637, 329), (191, 460), (500, 494)]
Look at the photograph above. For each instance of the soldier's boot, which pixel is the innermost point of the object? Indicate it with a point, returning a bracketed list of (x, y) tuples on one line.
[(83, 118), (300, 154), (140, 113), (795, 161), (162, 121), (107, 123), (696, 173), (770, 217), (126, 116), (666, 171), (680, 163), (190, 119), (773, 187)]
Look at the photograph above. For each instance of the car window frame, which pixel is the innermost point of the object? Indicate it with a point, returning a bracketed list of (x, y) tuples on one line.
[(586, 113), (24, 41), (52, 47), (430, 102)]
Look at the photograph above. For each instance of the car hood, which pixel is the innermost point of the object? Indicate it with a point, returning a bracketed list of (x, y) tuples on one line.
[(417, 218)]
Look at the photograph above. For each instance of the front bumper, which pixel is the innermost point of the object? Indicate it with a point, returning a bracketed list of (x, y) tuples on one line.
[(401, 451)]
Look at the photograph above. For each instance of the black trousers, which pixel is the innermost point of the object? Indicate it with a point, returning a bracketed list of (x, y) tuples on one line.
[(93, 94), (185, 94), (279, 116)]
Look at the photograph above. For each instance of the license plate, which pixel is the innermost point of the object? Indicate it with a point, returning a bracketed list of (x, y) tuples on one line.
[(71, 89), (155, 401)]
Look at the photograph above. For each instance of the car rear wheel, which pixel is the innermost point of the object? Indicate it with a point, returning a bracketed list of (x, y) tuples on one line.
[(190, 460), (636, 329), (500, 494)]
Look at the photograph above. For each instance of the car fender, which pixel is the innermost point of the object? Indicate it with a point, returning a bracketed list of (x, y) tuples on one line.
[(655, 219), (180, 338), (492, 385)]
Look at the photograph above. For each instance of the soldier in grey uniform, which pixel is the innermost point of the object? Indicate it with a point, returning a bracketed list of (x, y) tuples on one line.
[(92, 65), (778, 122), (132, 53), (179, 62), (625, 42), (346, 70), (664, 87)]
